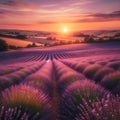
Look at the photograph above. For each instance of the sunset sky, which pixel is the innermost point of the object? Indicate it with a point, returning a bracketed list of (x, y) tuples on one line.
[(56, 14)]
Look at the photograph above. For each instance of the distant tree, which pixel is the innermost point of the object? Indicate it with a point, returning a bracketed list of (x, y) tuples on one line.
[(21, 36), (117, 35), (3, 45), (33, 44), (51, 38), (29, 45), (54, 38), (19, 47), (89, 39), (12, 47), (77, 41)]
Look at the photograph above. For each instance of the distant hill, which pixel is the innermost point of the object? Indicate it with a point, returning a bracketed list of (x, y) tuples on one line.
[(100, 33)]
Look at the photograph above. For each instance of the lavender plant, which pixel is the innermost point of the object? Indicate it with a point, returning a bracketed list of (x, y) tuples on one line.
[(17, 76), (66, 76), (17, 114), (101, 73), (91, 70), (115, 64), (66, 79), (75, 95), (28, 98), (110, 81), (41, 79), (4, 82), (82, 66), (106, 109)]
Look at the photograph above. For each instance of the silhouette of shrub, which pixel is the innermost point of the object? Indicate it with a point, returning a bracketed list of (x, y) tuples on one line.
[(3, 45)]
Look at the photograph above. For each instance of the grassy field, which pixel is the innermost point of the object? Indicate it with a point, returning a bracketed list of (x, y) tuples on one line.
[(17, 42)]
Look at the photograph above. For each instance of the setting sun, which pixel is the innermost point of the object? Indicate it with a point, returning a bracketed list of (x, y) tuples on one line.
[(65, 29)]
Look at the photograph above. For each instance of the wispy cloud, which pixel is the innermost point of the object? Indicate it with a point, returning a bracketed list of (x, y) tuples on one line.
[(87, 18), (11, 24), (13, 4), (101, 17)]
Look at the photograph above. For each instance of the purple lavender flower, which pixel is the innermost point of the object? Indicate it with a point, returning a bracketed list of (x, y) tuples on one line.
[(30, 99), (76, 94), (106, 109)]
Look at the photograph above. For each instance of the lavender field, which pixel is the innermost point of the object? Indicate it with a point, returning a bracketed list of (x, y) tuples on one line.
[(67, 82)]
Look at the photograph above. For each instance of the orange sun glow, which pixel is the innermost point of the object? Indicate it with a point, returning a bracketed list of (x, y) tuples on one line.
[(65, 30)]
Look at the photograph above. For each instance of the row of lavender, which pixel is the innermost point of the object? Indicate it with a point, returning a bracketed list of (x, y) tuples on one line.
[(21, 100), (54, 53), (104, 71), (60, 90), (94, 96)]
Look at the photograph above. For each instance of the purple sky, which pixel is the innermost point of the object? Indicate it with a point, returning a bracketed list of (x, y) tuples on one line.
[(43, 14)]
